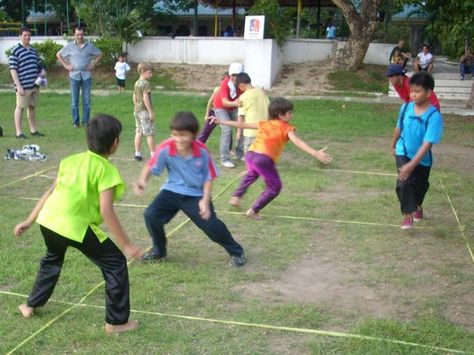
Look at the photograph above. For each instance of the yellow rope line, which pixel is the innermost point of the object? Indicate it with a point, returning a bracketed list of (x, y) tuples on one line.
[(460, 226), (26, 177), (49, 323), (266, 326)]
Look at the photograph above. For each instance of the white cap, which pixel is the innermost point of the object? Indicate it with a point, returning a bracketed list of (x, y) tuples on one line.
[(236, 68)]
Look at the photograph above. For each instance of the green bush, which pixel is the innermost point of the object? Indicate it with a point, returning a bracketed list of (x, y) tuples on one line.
[(110, 48), (47, 51)]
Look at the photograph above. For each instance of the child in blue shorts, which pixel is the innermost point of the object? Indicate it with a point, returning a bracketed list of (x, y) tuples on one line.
[(188, 189), (419, 126)]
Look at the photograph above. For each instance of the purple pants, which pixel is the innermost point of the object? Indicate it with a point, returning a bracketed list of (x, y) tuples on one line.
[(264, 166), (207, 129)]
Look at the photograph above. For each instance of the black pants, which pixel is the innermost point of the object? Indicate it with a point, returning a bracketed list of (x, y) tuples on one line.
[(412, 191), (165, 206), (107, 256)]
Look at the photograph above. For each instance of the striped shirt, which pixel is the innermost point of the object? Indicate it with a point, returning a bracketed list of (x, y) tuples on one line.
[(27, 64), (186, 175)]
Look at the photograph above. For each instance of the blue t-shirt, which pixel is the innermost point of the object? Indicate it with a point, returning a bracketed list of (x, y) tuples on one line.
[(416, 130), (27, 64), (186, 176), (331, 32)]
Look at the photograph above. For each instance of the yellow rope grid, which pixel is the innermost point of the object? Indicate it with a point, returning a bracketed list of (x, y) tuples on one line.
[(102, 282), (26, 177), (460, 226), (257, 325), (245, 324)]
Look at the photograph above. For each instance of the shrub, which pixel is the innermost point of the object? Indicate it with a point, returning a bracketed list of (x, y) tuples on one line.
[(110, 48), (47, 51)]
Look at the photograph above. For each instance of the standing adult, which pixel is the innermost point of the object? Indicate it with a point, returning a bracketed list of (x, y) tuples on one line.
[(424, 60), (466, 64), (25, 67), (79, 58), (402, 51), (331, 31), (225, 108)]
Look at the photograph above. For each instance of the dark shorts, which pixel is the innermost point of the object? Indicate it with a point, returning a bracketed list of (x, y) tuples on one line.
[(120, 82)]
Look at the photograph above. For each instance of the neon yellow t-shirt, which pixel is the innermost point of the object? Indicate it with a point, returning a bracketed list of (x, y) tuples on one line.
[(254, 107), (73, 205)]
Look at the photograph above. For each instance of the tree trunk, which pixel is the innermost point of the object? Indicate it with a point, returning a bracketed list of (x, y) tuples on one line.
[(362, 25), (470, 102)]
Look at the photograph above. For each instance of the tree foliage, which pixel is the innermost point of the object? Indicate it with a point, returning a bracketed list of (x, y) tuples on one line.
[(277, 19), (451, 24)]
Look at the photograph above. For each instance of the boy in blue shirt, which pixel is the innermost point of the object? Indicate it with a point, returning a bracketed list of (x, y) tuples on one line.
[(188, 189), (419, 126)]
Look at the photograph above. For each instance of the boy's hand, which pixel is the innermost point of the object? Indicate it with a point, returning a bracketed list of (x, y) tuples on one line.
[(214, 120), (323, 157), (132, 251), (139, 187), (204, 210), (152, 116), (405, 172), (21, 228)]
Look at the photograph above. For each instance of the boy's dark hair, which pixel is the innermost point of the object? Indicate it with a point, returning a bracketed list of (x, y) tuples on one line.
[(423, 79), (23, 29), (425, 45), (242, 78), (279, 106), (102, 131), (185, 121)]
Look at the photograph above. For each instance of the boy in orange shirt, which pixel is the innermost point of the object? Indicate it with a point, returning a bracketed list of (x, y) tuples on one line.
[(262, 155)]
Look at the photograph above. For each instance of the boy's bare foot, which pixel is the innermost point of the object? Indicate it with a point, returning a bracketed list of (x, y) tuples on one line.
[(26, 311), (252, 214), (234, 201), (116, 329)]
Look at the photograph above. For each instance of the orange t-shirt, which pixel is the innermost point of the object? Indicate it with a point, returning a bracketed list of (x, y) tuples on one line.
[(272, 136)]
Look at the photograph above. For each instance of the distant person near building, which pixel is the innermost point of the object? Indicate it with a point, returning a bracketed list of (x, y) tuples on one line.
[(424, 60), (466, 64), (25, 68), (121, 69), (331, 31), (401, 54), (79, 58)]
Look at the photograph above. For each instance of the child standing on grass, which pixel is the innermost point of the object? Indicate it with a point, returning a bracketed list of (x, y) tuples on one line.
[(419, 126), (253, 107), (143, 112), (70, 213), (265, 151), (121, 68), (188, 189)]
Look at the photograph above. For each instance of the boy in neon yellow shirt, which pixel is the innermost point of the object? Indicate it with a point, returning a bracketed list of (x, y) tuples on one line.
[(253, 107), (70, 213)]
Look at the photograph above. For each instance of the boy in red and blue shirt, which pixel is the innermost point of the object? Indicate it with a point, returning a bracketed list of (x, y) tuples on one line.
[(191, 171)]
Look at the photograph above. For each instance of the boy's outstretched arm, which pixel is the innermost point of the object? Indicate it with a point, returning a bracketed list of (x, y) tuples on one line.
[(321, 154), (406, 170), (250, 125), (21, 227), (111, 220)]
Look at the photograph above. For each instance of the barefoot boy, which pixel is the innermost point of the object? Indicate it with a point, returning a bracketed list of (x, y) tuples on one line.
[(70, 213)]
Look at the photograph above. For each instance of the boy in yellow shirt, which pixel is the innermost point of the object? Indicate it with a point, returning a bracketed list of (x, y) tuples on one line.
[(253, 107), (70, 213)]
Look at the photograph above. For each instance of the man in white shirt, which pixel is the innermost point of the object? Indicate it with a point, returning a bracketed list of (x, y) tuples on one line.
[(424, 60)]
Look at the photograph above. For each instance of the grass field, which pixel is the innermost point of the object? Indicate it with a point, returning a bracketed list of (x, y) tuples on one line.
[(329, 271)]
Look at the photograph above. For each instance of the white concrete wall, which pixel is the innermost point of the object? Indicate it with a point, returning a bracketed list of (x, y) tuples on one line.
[(263, 59), (307, 50), (189, 50)]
